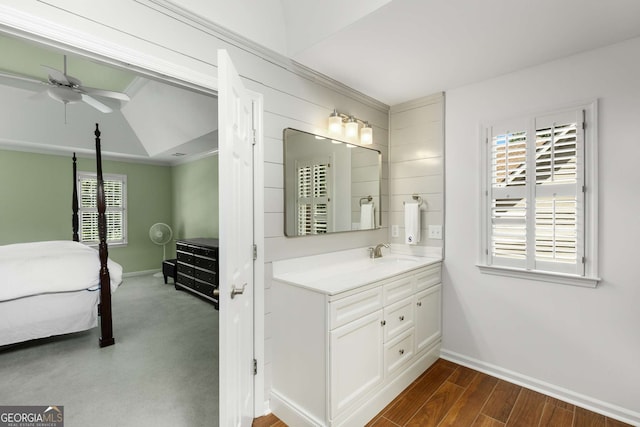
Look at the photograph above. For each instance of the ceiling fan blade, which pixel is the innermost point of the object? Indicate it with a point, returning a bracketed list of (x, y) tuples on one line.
[(106, 93), (96, 104), (22, 82), (56, 75)]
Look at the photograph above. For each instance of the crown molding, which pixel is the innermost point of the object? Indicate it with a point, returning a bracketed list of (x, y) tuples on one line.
[(46, 32), (178, 12)]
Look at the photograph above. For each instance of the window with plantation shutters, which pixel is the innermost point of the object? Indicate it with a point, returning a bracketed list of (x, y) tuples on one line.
[(537, 216), (313, 196), (115, 198)]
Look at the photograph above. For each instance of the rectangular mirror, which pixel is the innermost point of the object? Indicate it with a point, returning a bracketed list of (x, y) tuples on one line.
[(329, 185)]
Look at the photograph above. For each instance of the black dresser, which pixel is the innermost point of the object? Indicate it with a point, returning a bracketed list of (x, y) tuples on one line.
[(197, 267)]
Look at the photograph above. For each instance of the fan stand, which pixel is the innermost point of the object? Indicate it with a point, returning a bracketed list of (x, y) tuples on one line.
[(164, 258)]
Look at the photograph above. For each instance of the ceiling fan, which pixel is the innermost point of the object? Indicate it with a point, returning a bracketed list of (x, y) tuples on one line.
[(68, 89)]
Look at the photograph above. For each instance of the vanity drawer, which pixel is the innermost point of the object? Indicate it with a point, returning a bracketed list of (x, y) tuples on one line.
[(432, 275), (398, 352), (345, 310), (397, 290), (398, 318)]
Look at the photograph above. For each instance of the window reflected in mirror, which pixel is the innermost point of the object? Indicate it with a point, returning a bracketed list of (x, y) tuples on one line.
[(330, 185)]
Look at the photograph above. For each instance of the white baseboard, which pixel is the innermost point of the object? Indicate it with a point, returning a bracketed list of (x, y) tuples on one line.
[(291, 414), (586, 402), (140, 273)]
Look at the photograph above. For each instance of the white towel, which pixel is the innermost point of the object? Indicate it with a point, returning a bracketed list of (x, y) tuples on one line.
[(411, 223), (367, 216)]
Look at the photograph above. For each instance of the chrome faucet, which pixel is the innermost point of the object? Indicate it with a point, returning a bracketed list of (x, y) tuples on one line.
[(377, 251)]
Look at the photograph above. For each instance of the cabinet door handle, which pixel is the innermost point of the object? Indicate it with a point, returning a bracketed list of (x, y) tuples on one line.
[(401, 351), (401, 318), (383, 322), (419, 303)]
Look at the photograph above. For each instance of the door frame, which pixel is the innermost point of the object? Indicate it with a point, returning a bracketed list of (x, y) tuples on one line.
[(34, 28)]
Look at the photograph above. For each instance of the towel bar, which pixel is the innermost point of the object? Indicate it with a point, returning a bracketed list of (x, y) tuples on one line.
[(368, 199), (416, 198)]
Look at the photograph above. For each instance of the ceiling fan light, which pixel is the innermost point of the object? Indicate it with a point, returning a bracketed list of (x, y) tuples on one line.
[(64, 95)]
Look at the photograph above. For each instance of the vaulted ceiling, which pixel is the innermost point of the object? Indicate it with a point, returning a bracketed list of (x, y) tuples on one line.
[(161, 123)]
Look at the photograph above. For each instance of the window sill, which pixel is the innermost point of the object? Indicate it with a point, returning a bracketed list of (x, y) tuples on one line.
[(565, 279), (109, 245)]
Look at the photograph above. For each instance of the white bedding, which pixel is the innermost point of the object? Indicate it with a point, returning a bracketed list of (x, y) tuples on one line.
[(48, 267), (47, 315)]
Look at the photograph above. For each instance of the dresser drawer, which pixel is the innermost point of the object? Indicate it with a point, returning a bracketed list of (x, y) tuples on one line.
[(184, 257), (184, 280), (205, 275), (205, 263), (206, 252), (345, 310), (184, 268), (398, 318), (432, 275), (397, 290), (398, 352)]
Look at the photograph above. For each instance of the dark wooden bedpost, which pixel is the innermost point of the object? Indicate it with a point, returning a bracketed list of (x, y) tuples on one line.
[(106, 327), (74, 202)]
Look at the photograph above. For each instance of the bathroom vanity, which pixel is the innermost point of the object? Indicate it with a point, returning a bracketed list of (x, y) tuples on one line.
[(350, 333)]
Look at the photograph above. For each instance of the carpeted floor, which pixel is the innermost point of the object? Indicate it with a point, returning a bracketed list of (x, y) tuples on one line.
[(162, 371)]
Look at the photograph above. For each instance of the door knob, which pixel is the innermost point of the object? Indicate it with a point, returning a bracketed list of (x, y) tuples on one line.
[(237, 291), (216, 292)]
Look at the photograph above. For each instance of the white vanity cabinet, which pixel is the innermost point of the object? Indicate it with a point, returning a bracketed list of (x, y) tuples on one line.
[(339, 359)]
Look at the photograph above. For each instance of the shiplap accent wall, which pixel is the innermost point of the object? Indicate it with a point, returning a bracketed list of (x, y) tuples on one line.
[(416, 164), (159, 38)]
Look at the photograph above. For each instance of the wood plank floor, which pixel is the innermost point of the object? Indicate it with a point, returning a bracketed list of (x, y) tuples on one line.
[(452, 395)]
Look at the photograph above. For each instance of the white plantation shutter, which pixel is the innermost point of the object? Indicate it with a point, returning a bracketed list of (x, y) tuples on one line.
[(115, 198), (559, 180), (508, 207), (313, 196), (535, 201)]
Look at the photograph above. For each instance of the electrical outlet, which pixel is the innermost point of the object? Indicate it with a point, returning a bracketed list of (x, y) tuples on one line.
[(435, 232), (395, 231)]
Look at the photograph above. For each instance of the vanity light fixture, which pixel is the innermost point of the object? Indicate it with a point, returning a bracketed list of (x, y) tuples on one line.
[(351, 127), (366, 134), (335, 123)]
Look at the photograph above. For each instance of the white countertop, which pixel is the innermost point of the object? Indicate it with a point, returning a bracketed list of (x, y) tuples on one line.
[(342, 271)]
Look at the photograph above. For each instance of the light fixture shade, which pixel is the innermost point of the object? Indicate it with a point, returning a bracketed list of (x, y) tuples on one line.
[(351, 128), (335, 124), (64, 94), (366, 134)]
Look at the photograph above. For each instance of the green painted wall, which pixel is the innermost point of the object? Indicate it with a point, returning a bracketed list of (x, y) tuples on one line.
[(195, 199), (35, 203)]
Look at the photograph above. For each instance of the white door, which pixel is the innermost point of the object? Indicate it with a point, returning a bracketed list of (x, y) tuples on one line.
[(235, 157)]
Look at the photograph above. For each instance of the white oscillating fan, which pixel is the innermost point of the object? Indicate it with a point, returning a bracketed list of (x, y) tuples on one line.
[(160, 234)]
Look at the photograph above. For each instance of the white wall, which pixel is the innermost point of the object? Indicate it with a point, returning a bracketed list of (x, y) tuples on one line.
[(585, 341), (173, 44)]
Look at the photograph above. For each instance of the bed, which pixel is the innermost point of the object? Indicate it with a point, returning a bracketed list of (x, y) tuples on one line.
[(59, 287)]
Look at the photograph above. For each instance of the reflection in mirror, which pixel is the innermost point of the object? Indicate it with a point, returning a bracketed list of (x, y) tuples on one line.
[(329, 185)]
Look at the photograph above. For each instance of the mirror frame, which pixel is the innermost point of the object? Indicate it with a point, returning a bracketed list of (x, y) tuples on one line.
[(377, 216)]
